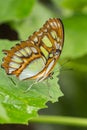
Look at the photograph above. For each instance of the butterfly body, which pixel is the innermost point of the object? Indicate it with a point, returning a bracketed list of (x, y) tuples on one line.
[(35, 58)]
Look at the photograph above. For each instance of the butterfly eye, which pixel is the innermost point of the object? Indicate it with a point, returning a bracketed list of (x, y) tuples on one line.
[(36, 57)]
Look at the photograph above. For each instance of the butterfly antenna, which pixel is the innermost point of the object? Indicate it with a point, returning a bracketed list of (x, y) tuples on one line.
[(60, 68)]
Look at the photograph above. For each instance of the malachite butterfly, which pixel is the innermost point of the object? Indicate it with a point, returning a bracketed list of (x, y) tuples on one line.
[(36, 57)]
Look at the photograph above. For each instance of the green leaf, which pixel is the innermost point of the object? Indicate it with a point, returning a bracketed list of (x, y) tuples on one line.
[(15, 9), (19, 105), (75, 44)]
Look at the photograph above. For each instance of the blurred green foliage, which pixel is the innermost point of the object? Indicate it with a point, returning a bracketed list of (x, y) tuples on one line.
[(13, 10), (27, 16)]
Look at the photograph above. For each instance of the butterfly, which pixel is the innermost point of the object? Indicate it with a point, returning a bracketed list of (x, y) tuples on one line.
[(36, 57)]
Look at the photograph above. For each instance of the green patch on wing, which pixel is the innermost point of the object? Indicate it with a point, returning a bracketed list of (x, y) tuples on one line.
[(46, 41)]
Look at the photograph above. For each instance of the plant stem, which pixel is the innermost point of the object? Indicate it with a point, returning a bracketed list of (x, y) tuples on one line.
[(71, 121)]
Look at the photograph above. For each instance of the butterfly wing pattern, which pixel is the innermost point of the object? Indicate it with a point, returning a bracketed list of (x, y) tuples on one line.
[(35, 58)]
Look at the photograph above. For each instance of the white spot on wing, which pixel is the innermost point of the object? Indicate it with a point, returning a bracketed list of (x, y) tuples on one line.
[(28, 50), (33, 49), (32, 42), (16, 59), (23, 52), (35, 39), (51, 23), (45, 30), (11, 70), (14, 65), (55, 24), (58, 25), (18, 54)]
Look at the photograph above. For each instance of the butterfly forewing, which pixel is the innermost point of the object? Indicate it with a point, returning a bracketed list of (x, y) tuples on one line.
[(36, 57)]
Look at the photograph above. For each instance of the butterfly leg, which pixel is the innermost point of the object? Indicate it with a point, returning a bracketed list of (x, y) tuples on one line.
[(36, 81), (12, 81), (48, 85)]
